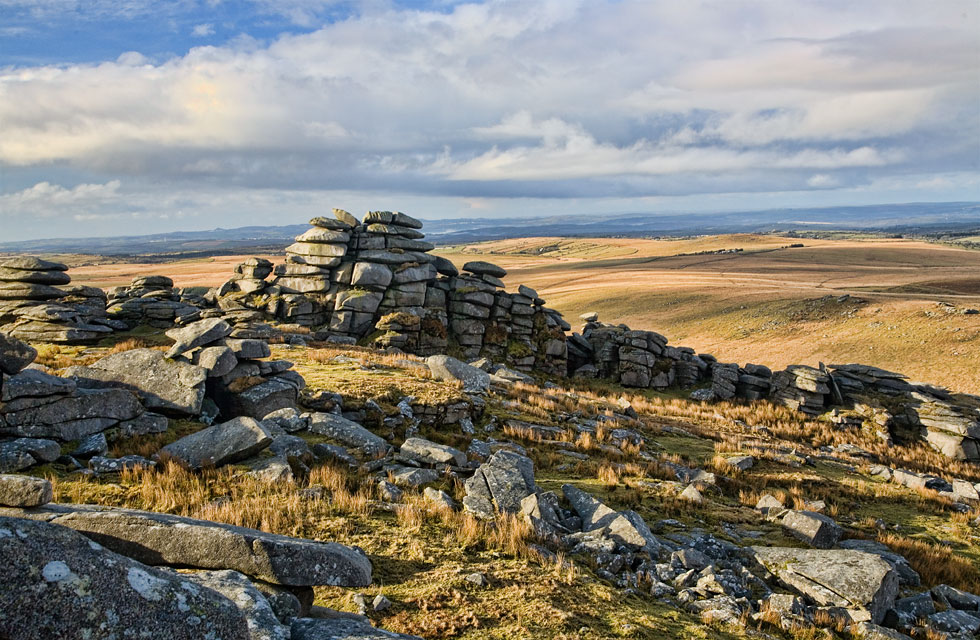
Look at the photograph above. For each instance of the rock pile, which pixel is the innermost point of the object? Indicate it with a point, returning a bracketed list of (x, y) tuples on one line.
[(38, 411), (152, 301), (375, 281), (633, 358), (37, 303), (801, 388)]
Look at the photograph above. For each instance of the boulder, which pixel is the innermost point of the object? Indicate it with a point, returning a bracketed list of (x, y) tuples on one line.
[(31, 263), (428, 452), (197, 334), (348, 433), (450, 369), (624, 527), (259, 400), (22, 453), (164, 385), (220, 444), (24, 491), (500, 484), (14, 355), (164, 539), (34, 383), (815, 529), (863, 583), (257, 611), (60, 584), (83, 413), (480, 268)]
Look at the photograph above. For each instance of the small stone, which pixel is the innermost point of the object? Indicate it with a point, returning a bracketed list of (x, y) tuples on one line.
[(24, 491), (477, 578), (691, 494), (380, 603)]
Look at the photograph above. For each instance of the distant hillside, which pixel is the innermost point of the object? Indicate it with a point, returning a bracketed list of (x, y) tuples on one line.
[(914, 218)]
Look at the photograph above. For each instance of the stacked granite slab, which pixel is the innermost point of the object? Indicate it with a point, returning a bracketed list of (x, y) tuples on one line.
[(239, 378), (754, 382), (152, 301), (38, 303), (949, 423), (802, 388), (633, 358), (374, 281), (724, 380)]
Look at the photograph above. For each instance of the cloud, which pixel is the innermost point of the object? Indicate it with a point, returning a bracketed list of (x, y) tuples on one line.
[(203, 30), (514, 99)]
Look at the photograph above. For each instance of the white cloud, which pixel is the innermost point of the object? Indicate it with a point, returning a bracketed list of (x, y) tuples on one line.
[(611, 95), (203, 30)]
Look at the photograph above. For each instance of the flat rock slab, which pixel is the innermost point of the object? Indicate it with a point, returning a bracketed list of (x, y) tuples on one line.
[(33, 383), (197, 334), (81, 414), (862, 582), (348, 433), (164, 539), (220, 444), (163, 385), (500, 484), (59, 584), (428, 452), (24, 491), (624, 527)]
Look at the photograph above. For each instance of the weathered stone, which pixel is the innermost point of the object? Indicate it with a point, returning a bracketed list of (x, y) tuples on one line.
[(371, 274), (220, 444), (34, 277), (320, 250), (480, 267), (94, 445), (164, 385), (31, 263), (33, 383), (14, 355), (325, 236), (348, 433), (500, 484), (341, 629), (100, 464), (164, 539), (59, 584), (815, 529), (412, 477), (22, 453), (861, 582), (447, 368), (429, 452), (445, 267), (258, 613), (197, 334), (624, 527), (249, 349), (83, 413), (24, 491), (217, 361)]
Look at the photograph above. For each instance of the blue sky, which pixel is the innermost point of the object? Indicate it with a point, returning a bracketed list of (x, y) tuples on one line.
[(134, 116)]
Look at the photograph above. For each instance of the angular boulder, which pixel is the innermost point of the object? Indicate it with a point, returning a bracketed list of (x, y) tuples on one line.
[(75, 416), (428, 452), (220, 444), (500, 484), (450, 369), (165, 386), (59, 584), (164, 539), (815, 529), (348, 432), (253, 605), (863, 583), (197, 334), (24, 491), (623, 527), (15, 355)]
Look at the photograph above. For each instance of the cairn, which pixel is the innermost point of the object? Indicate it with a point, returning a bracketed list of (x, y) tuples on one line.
[(37, 303)]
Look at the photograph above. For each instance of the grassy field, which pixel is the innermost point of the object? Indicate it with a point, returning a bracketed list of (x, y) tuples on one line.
[(769, 304)]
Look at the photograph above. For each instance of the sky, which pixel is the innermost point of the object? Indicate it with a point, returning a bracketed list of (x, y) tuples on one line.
[(123, 117)]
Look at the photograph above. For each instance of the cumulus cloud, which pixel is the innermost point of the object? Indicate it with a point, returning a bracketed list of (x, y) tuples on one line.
[(520, 98)]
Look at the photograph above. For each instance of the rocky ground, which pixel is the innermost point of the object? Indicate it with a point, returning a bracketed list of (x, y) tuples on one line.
[(439, 500)]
